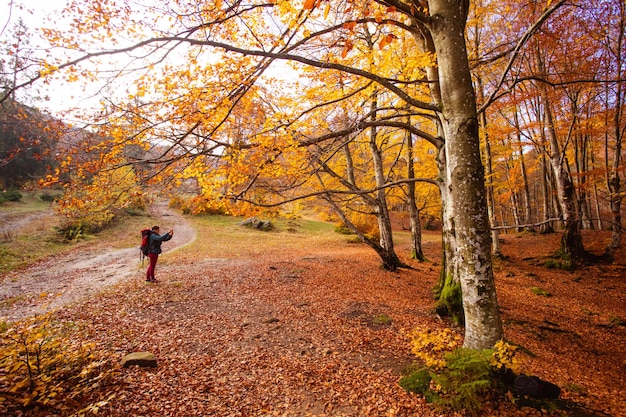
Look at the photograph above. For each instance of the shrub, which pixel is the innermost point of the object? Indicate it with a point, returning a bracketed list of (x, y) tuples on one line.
[(92, 204), (430, 345), (505, 358), (342, 229), (41, 365), (454, 377), (464, 381), (11, 195), (74, 231), (46, 196), (418, 381)]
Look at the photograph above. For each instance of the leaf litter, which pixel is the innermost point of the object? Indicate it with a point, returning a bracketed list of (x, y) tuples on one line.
[(292, 333)]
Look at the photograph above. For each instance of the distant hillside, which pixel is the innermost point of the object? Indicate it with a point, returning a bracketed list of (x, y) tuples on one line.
[(28, 144)]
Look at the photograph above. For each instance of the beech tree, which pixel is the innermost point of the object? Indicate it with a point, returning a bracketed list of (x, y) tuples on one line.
[(613, 42)]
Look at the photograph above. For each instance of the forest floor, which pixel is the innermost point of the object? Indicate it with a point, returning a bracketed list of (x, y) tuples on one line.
[(283, 326)]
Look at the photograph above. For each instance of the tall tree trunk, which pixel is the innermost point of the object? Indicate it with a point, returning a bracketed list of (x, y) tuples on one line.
[(572, 242), (458, 118), (515, 209), (491, 203), (386, 251), (546, 227), (414, 215), (448, 295), (448, 291), (614, 181), (582, 168), (596, 198), (614, 184), (596, 207), (528, 218), (390, 259)]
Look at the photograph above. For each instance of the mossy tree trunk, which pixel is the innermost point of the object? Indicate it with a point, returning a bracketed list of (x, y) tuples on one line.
[(465, 173)]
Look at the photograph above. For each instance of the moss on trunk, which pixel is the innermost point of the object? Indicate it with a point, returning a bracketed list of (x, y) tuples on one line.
[(449, 299)]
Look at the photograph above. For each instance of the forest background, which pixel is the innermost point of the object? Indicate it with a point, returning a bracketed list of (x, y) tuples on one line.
[(471, 117)]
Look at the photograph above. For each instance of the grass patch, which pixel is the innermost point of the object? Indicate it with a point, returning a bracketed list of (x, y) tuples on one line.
[(26, 249), (220, 234), (381, 319), (30, 202), (540, 291)]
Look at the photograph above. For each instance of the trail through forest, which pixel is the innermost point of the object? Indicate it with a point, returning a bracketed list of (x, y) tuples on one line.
[(59, 280)]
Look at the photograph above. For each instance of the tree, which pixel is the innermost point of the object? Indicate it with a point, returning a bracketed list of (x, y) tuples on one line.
[(548, 100), (613, 43)]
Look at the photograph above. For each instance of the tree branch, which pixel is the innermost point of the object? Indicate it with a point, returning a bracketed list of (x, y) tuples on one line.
[(520, 44)]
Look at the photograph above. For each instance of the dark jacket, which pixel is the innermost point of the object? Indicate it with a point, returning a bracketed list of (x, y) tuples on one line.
[(155, 242)]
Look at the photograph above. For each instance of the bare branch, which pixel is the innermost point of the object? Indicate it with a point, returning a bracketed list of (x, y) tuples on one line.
[(520, 44)]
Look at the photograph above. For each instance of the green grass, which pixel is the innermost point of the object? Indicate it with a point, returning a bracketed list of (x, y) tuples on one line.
[(218, 236), (27, 249), (540, 291), (221, 236), (29, 203), (21, 246)]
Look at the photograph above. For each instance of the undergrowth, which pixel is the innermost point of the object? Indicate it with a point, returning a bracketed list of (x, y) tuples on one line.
[(453, 377), (44, 367)]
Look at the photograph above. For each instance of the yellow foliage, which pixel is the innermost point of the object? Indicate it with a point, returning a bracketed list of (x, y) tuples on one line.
[(94, 202), (505, 356), (431, 345), (239, 140), (40, 361)]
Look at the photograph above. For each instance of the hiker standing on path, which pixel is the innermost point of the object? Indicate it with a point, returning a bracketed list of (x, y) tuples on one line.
[(154, 249)]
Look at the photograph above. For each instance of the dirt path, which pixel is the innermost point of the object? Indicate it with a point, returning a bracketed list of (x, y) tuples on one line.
[(12, 222), (66, 278)]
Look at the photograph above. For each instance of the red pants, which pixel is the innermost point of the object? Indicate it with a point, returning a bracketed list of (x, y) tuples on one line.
[(153, 257)]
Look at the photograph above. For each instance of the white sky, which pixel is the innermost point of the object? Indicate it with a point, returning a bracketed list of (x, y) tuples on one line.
[(34, 14), (62, 96)]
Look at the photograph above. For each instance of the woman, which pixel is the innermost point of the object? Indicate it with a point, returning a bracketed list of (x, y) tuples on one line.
[(154, 249)]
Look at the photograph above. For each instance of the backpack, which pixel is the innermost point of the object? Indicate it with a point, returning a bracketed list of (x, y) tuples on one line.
[(145, 243)]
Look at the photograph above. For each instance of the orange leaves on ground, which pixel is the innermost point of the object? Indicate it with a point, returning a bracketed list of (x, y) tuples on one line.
[(284, 324)]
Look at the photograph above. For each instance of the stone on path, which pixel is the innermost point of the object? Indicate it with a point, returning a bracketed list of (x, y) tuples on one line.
[(143, 359)]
